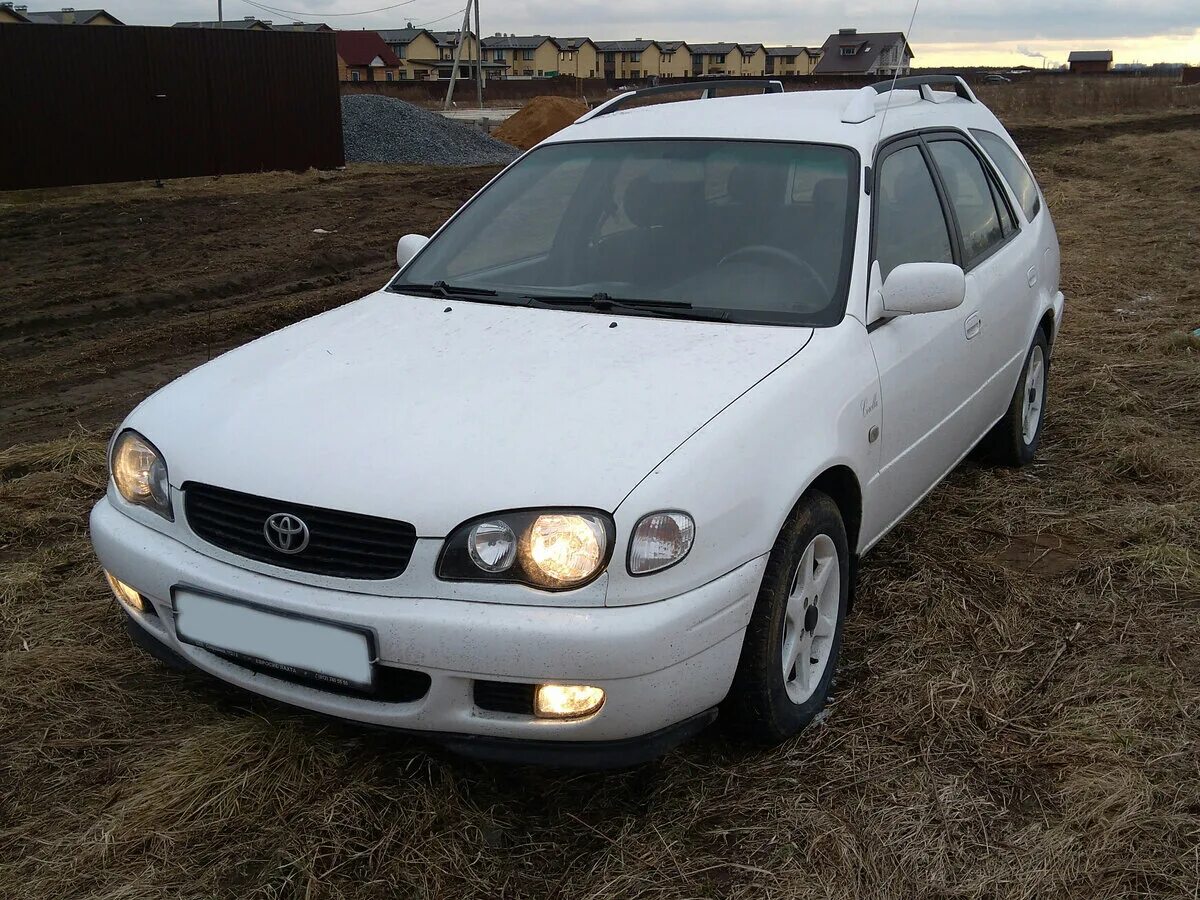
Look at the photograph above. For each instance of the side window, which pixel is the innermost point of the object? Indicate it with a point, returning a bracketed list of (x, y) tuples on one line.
[(1014, 171), (971, 196), (909, 223)]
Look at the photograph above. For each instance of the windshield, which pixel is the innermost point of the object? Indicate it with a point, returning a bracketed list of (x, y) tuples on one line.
[(760, 230)]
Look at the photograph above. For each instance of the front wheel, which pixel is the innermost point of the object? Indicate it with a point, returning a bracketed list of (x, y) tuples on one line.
[(1013, 441), (792, 643)]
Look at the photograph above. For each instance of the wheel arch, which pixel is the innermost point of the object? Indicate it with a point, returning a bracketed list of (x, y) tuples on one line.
[(1046, 325), (840, 484)]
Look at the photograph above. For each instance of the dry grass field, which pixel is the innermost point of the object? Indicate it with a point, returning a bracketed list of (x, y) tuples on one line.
[(1017, 710)]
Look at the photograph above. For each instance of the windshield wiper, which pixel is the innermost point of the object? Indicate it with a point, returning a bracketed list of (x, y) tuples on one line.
[(679, 309), (442, 289)]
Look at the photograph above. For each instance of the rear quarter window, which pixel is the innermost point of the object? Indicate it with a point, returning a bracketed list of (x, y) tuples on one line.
[(1015, 172)]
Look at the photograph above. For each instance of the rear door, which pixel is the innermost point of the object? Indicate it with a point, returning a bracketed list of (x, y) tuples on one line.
[(998, 257)]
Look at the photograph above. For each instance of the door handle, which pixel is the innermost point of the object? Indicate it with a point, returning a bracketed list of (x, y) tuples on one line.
[(973, 325), (1031, 276)]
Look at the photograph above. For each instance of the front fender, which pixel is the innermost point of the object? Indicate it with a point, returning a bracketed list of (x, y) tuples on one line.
[(741, 474)]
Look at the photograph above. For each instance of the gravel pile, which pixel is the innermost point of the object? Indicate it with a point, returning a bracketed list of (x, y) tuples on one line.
[(384, 129)]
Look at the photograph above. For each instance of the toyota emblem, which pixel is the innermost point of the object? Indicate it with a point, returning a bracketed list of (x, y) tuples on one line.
[(286, 533)]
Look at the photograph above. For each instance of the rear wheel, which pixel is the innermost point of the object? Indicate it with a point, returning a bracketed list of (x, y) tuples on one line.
[(1014, 439), (792, 643)]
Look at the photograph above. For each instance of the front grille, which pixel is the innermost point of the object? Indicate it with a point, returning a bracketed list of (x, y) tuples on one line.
[(340, 544), (504, 696)]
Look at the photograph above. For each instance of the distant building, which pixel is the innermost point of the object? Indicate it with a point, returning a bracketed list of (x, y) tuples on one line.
[(249, 23), (68, 16), (1090, 62), (724, 58), (676, 59), (12, 16), (629, 60), (526, 56), (578, 56), (851, 52), (302, 26), (363, 56), (792, 60)]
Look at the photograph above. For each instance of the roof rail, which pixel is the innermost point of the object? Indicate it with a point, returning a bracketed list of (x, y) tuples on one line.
[(921, 82), (709, 86), (862, 107)]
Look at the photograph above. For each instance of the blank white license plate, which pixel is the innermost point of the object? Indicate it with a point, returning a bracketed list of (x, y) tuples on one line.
[(292, 645)]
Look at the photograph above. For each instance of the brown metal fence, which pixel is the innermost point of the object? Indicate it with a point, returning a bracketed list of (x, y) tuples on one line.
[(82, 105)]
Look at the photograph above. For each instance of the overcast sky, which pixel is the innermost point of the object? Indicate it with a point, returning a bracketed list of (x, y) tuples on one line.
[(947, 32)]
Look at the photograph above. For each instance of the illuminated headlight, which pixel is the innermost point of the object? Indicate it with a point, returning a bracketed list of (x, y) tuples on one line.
[(550, 549), (140, 473), (566, 701), (659, 541), (124, 592)]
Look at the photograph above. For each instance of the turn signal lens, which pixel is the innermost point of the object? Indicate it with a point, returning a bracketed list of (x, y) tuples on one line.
[(124, 592), (565, 549), (140, 473), (659, 541), (566, 701)]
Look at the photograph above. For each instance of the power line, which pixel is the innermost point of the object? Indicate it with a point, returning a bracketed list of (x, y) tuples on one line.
[(457, 12), (296, 12)]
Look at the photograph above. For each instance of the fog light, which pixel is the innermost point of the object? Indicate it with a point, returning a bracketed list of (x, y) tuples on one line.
[(124, 592), (566, 701)]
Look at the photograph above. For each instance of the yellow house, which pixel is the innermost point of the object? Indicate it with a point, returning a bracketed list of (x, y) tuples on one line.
[(716, 59), (675, 60), (752, 59), (622, 60), (524, 56), (415, 48), (11, 16), (792, 60), (578, 56), (68, 16)]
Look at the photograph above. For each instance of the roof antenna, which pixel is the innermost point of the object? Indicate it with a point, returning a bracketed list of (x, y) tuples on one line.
[(896, 73)]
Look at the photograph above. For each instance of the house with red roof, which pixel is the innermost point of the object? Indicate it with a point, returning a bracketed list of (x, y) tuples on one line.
[(363, 56)]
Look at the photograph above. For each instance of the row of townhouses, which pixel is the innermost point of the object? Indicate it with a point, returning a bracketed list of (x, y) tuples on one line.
[(414, 53)]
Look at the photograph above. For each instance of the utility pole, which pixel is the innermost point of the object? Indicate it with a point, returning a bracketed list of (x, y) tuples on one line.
[(220, 16), (462, 36), (478, 59)]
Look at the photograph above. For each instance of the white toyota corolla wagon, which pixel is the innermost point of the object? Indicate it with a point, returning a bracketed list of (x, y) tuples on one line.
[(600, 460)]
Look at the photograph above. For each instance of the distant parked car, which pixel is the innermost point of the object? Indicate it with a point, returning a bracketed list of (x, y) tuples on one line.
[(996, 79), (602, 458)]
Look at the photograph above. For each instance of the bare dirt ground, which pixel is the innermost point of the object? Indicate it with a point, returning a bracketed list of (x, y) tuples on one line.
[(1017, 710)]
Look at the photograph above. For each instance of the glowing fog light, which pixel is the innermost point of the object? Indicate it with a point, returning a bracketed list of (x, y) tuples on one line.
[(566, 701), (564, 549), (124, 592), (659, 541)]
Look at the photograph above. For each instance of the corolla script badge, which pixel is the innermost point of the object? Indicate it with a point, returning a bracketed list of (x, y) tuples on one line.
[(286, 533)]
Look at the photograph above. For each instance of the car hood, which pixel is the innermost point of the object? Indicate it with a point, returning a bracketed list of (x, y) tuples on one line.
[(434, 411)]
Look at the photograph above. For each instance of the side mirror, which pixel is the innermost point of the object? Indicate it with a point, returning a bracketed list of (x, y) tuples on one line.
[(923, 287), (407, 247)]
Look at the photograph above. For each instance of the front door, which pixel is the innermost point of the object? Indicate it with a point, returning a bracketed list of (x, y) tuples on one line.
[(930, 366)]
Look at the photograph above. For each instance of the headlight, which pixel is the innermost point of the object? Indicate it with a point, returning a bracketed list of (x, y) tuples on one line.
[(659, 541), (140, 473), (551, 549)]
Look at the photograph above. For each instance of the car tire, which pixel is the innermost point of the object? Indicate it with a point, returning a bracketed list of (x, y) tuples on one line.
[(1013, 441), (798, 616)]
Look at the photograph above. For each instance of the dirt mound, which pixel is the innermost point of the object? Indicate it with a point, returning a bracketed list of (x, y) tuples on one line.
[(538, 119)]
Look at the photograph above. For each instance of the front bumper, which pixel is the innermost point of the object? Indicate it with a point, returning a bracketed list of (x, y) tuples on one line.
[(664, 665)]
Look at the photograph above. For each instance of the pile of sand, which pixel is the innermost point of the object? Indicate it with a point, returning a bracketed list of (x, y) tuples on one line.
[(538, 119)]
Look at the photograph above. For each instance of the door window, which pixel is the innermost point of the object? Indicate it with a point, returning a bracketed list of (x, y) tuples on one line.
[(971, 196), (1014, 171), (909, 223)]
